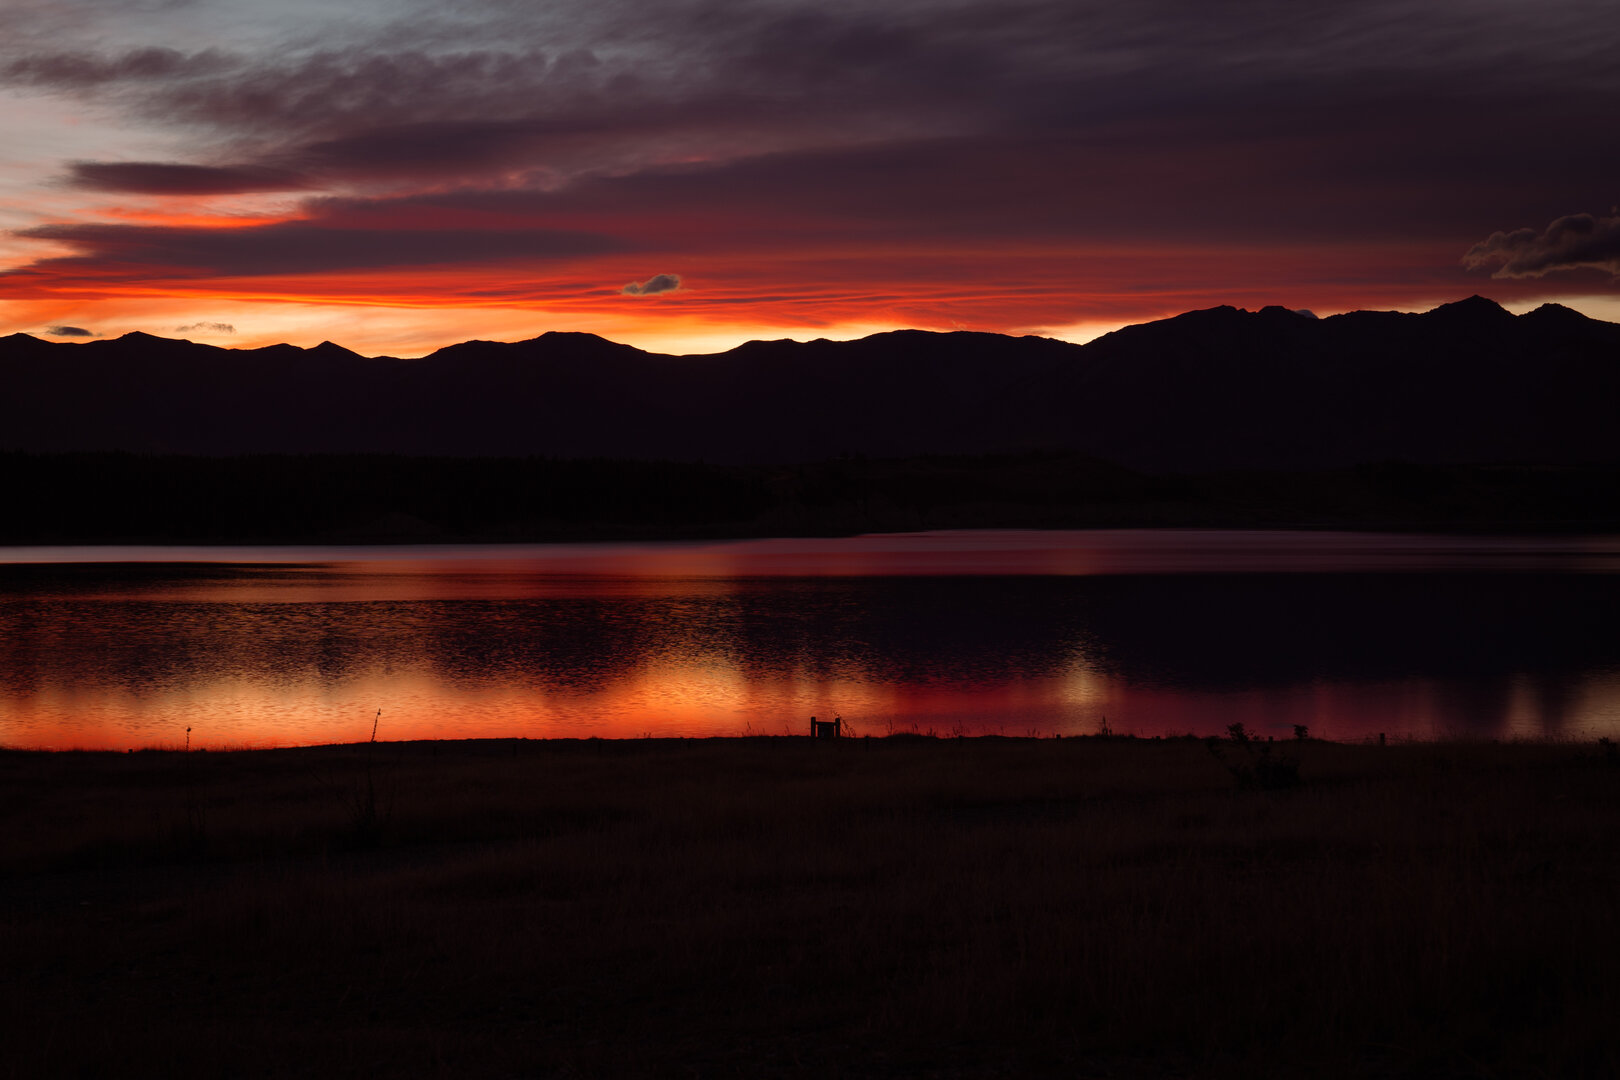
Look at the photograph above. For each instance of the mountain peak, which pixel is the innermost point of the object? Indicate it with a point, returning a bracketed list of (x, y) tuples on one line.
[(1277, 311), (1560, 312), (1475, 307), (576, 339), (331, 350)]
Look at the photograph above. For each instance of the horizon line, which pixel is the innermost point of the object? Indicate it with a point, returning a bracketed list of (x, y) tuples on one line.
[(73, 336)]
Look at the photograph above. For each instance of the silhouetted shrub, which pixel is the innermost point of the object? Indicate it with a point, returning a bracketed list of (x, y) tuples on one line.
[(1260, 767)]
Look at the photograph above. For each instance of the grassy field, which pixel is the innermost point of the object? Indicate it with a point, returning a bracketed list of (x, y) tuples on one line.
[(781, 907)]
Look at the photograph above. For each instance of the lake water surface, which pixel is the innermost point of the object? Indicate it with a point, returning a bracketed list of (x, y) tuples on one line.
[(1148, 632)]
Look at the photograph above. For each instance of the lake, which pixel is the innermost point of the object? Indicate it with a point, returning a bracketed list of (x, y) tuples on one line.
[(978, 632)]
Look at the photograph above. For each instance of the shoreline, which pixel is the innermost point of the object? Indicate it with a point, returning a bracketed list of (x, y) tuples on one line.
[(515, 743), (888, 738)]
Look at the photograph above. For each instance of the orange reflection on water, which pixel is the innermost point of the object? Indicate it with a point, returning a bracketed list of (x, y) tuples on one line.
[(697, 698), (970, 633), (693, 699), (695, 690)]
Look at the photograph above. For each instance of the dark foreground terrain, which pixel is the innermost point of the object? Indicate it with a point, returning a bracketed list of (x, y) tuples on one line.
[(781, 907)]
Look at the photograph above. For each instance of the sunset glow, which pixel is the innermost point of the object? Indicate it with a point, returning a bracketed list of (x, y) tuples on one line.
[(684, 177)]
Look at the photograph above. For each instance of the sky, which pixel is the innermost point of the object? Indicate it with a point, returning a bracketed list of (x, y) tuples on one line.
[(685, 175)]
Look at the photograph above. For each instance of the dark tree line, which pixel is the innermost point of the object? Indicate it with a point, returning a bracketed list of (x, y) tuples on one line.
[(121, 497)]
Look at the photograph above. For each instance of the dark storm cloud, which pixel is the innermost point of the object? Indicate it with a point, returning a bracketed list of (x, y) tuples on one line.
[(784, 74), (463, 147), (829, 72), (294, 247), (1159, 121), (331, 91), (83, 70), (69, 331), (167, 178), (962, 189), (206, 327), (576, 88), (658, 283), (1573, 242)]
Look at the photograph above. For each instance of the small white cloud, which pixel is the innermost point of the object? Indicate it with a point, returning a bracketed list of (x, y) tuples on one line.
[(207, 328)]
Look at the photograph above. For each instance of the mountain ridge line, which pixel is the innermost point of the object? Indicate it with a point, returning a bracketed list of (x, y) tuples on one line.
[(1218, 388)]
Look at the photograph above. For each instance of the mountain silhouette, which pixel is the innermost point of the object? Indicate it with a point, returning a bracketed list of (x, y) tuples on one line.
[(1220, 388)]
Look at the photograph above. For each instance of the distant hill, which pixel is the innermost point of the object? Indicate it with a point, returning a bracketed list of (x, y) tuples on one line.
[(1216, 389)]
